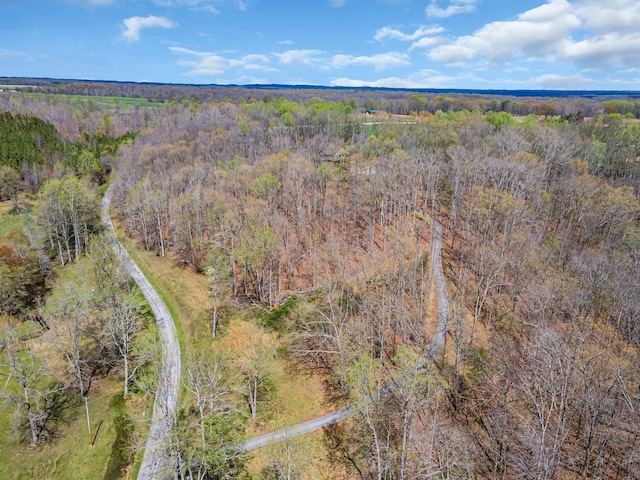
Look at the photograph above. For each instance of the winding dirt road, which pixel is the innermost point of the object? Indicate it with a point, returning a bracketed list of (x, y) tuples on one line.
[(156, 463), (437, 342)]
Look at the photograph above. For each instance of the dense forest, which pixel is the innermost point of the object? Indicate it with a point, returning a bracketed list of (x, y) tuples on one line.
[(310, 214)]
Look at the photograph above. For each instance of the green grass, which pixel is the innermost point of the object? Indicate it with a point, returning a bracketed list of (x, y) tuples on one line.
[(121, 455), (186, 295), (109, 407), (26, 330), (165, 288), (69, 456), (10, 221), (275, 318), (97, 101)]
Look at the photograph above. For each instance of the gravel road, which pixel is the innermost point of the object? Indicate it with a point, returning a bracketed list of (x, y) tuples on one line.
[(156, 463), (437, 342)]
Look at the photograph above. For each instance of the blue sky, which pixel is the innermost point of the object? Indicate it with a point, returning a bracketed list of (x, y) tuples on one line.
[(480, 44)]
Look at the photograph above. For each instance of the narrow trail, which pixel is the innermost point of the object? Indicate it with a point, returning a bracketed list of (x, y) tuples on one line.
[(437, 342), (156, 462)]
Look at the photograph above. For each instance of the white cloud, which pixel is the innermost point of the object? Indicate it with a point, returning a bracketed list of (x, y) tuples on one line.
[(382, 61), (541, 32), (201, 63), (421, 79), (452, 54), (455, 7), (186, 3), (547, 12), (210, 9), (421, 38), (212, 64), (259, 68), (622, 16), (579, 81), (211, 6), (253, 58), (588, 33), (91, 3), (320, 59), (390, 82), (337, 3), (9, 54), (612, 34), (307, 57), (134, 25), (393, 34), (426, 42), (606, 51), (569, 82)]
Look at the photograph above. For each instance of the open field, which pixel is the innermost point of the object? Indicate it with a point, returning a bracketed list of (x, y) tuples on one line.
[(95, 102), (69, 456)]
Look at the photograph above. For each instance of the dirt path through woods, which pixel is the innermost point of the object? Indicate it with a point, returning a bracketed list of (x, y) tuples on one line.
[(156, 462)]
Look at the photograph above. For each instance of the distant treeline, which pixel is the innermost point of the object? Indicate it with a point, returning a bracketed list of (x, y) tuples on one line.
[(397, 101)]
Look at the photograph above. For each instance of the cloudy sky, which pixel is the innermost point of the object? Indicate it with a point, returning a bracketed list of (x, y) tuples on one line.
[(480, 44)]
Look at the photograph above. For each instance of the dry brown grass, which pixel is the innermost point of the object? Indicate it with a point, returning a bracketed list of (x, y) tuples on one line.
[(186, 291), (297, 396)]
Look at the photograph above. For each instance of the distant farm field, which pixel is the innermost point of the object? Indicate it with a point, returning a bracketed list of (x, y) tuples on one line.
[(97, 102)]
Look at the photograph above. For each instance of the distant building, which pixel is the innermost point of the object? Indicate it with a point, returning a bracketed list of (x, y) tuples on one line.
[(333, 152)]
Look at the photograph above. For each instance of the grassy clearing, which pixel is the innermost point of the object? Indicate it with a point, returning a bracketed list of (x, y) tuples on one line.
[(96, 102), (10, 221), (297, 393), (298, 396), (69, 456)]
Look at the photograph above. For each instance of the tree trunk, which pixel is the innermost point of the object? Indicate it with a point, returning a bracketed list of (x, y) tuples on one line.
[(32, 424), (126, 374), (214, 323)]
